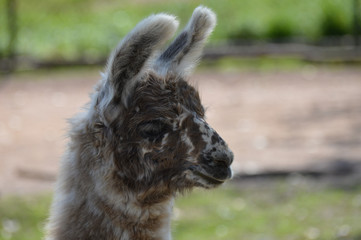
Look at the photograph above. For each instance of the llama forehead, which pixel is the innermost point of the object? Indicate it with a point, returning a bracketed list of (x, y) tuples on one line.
[(166, 97)]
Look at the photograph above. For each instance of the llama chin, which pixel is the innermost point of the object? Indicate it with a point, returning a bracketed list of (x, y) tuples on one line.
[(142, 139)]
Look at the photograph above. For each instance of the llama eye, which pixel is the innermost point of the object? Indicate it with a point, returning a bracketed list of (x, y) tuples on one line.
[(153, 130)]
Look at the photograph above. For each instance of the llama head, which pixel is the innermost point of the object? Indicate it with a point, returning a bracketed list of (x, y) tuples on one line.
[(150, 120)]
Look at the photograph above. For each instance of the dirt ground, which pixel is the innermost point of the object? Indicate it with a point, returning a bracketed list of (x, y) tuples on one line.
[(272, 120)]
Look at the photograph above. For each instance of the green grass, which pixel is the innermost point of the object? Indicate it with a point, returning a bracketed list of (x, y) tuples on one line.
[(280, 211), (259, 64), (23, 217), (69, 29)]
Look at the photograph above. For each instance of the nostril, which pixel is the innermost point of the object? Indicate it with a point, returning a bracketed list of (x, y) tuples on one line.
[(221, 161), (223, 158)]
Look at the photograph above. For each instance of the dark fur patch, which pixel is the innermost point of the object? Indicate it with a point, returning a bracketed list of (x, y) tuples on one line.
[(175, 48)]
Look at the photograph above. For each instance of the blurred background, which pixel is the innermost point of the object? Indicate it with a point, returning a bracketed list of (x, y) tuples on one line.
[(282, 84)]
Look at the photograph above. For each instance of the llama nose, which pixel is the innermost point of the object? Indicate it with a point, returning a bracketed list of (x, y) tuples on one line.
[(223, 158)]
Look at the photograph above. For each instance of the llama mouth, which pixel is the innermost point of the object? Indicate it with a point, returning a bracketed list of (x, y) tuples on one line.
[(200, 172), (209, 178)]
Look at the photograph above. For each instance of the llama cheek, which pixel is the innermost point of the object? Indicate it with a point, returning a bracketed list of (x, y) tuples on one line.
[(187, 141), (164, 140)]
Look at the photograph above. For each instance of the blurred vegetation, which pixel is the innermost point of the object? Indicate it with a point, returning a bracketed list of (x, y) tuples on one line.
[(73, 29), (259, 64), (278, 210), (333, 23), (280, 29), (23, 217)]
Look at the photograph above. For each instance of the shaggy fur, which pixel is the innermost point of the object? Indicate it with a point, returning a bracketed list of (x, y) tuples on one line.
[(142, 139)]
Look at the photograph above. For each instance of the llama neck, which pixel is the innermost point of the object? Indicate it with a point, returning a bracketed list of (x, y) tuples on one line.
[(77, 216), (134, 221), (87, 205)]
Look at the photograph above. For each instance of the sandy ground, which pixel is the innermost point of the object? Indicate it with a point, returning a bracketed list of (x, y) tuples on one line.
[(271, 120)]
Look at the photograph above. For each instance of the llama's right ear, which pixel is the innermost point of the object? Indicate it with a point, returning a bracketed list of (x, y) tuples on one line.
[(131, 55), (128, 61), (184, 52)]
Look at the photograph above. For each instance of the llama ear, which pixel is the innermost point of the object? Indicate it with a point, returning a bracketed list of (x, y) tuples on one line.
[(184, 52), (132, 53), (128, 61)]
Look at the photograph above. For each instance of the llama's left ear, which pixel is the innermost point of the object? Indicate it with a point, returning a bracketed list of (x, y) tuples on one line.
[(184, 52)]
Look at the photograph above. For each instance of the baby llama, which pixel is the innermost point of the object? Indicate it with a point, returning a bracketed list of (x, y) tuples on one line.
[(142, 139)]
